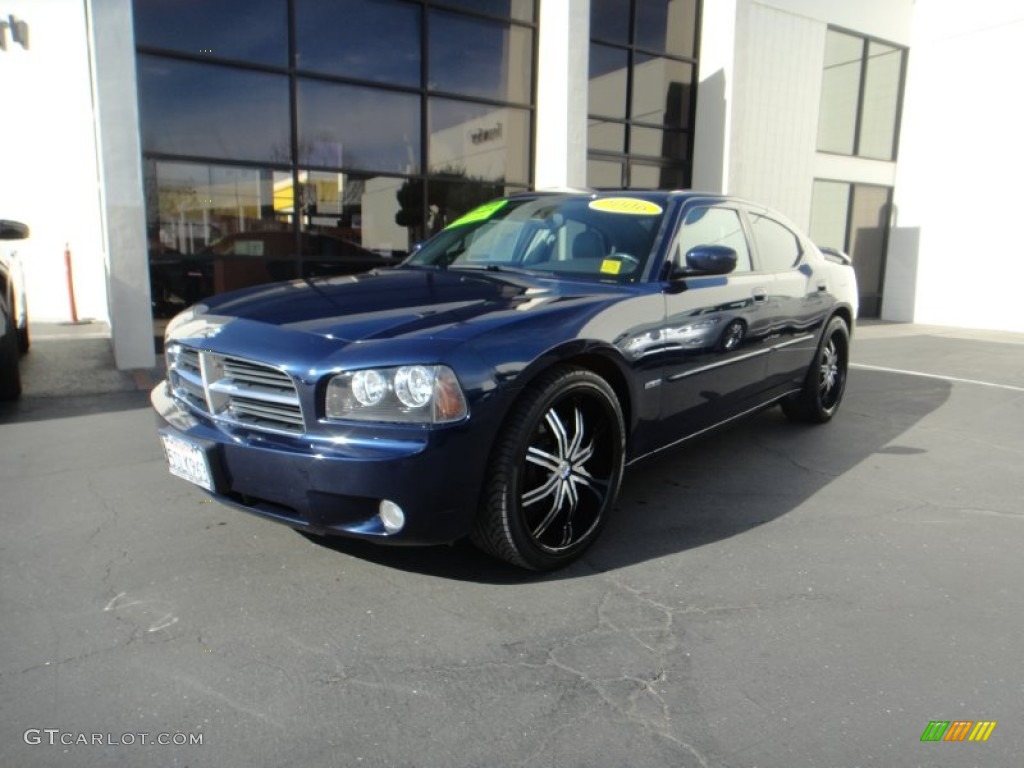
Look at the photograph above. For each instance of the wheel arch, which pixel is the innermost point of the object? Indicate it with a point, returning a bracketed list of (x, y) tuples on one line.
[(846, 313), (597, 357)]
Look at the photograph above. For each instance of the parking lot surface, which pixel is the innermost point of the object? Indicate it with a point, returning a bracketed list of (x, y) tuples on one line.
[(771, 595)]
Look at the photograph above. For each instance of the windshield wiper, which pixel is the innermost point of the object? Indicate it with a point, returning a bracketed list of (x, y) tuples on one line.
[(502, 268)]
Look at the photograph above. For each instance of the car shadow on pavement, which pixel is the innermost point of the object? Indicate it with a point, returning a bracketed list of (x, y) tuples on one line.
[(44, 408), (709, 489)]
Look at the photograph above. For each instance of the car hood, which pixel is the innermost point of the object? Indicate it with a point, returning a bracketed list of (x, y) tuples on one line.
[(406, 302)]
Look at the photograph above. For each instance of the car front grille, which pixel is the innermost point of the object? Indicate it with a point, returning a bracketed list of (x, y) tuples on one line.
[(234, 390)]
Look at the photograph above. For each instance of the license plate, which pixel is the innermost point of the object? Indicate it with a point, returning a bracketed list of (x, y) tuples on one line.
[(188, 461)]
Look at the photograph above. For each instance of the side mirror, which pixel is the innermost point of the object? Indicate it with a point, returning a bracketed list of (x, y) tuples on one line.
[(707, 260), (12, 230)]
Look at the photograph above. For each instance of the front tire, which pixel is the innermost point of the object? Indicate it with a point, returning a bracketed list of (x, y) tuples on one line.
[(825, 383), (555, 471)]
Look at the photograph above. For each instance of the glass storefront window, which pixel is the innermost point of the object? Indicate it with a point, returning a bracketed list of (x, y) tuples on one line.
[(609, 20), (212, 229), (840, 87), (661, 91), (349, 223), (830, 204), (345, 37), (649, 176), (657, 142), (479, 141), (478, 57), (609, 70), (860, 96), (667, 27), (359, 213), (298, 148), (604, 174), (449, 199), (247, 30), (881, 101), (358, 128), (855, 218), (519, 10), (605, 136), (206, 110), (641, 91)]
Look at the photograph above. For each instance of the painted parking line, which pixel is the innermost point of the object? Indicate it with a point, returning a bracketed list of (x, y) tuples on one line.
[(957, 379)]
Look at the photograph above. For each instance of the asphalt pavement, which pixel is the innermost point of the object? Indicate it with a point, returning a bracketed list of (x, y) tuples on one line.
[(772, 595)]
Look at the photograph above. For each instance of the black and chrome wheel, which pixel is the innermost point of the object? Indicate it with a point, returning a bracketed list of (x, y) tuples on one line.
[(733, 335), (825, 384), (555, 471)]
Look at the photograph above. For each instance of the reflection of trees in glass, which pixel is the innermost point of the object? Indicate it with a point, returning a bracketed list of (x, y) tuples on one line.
[(322, 150), (176, 199), (451, 192)]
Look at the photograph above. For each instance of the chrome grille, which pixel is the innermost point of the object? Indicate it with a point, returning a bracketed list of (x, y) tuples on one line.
[(234, 390)]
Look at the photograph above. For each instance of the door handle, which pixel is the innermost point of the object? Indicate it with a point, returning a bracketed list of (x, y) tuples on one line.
[(759, 294), (822, 286)]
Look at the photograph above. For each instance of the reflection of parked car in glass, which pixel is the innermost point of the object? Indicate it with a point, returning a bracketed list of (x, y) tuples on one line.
[(245, 259), (14, 339)]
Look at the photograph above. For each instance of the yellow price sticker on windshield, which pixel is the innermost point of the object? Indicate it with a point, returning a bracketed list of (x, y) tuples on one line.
[(630, 205), (611, 267), (482, 213)]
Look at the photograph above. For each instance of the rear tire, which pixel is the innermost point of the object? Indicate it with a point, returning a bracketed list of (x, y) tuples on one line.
[(24, 342), (10, 377), (825, 383), (555, 472)]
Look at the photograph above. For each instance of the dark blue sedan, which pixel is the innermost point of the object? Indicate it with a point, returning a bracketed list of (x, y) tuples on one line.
[(498, 382)]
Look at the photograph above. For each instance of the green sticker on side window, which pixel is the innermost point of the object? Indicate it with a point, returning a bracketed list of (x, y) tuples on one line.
[(482, 213)]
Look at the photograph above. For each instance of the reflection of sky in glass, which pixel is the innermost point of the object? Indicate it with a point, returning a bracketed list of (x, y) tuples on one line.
[(520, 10), (366, 39), (666, 26), (609, 20), (358, 128), (481, 58), (250, 30), (212, 111), (607, 81)]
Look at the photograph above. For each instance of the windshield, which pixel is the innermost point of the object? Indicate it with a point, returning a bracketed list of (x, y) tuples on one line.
[(603, 238)]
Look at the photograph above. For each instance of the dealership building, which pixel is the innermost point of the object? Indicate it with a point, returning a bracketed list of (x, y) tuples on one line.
[(164, 150)]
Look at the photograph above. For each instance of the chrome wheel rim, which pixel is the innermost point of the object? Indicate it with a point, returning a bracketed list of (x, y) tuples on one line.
[(567, 472), (733, 335), (831, 380)]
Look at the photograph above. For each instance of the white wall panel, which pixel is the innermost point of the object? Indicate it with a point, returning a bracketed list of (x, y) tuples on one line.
[(775, 96)]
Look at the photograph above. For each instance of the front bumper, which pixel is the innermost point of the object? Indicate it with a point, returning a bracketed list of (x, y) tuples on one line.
[(334, 485)]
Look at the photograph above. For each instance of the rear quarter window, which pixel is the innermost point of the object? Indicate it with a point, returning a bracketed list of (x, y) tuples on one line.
[(778, 247)]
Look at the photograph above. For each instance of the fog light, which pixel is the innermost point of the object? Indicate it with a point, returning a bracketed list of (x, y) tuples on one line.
[(392, 516)]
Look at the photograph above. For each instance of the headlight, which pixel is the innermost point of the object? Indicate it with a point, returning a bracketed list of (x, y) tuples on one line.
[(407, 394)]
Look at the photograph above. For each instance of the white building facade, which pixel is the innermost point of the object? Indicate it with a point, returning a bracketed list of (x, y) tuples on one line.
[(885, 127)]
